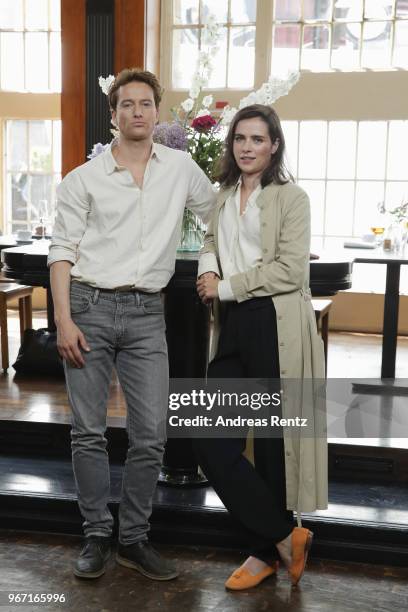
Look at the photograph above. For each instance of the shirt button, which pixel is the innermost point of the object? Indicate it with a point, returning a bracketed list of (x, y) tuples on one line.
[(264, 250), (281, 344), (288, 453), (279, 317), (283, 371), (263, 224)]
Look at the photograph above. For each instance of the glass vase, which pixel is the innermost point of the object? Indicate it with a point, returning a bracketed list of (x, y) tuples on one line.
[(192, 233)]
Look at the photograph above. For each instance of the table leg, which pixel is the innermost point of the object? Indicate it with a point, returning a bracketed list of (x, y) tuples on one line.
[(390, 324), (50, 311)]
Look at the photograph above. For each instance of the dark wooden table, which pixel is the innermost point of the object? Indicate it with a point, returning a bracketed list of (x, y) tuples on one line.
[(393, 263), (187, 323)]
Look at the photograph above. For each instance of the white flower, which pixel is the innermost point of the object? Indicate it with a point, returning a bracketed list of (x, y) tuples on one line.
[(228, 114), (207, 101), (202, 112), (194, 91), (271, 90), (187, 105), (105, 84)]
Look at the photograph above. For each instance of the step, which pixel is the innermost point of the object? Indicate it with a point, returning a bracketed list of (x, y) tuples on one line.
[(364, 522), (371, 460)]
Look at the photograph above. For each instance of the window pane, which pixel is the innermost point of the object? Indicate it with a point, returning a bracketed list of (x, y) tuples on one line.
[(401, 44), (287, 11), (56, 143), (346, 46), (339, 208), (315, 190), (185, 52), (315, 52), (349, 10), (11, 14), (17, 189), (40, 146), (40, 189), (185, 11), (319, 9), (397, 142), (376, 44), (218, 8), (368, 195), (290, 131), (395, 194), (55, 61), (371, 150), (12, 61), (285, 52), (36, 14), (312, 153), (55, 14), (243, 11), (379, 10), (37, 62), (17, 145), (219, 74), (241, 60), (342, 149), (402, 8)]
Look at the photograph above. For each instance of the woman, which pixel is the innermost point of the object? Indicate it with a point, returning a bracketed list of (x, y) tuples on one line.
[(254, 267)]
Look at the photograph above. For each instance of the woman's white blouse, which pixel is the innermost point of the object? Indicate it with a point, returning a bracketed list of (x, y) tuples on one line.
[(239, 241)]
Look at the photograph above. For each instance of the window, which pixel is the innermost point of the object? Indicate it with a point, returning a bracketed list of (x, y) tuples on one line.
[(33, 167), (323, 35), (30, 45), (235, 61), (347, 168)]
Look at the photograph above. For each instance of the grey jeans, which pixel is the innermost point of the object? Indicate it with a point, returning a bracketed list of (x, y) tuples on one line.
[(125, 330)]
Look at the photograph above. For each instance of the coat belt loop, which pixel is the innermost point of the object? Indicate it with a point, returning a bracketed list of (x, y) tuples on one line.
[(95, 296)]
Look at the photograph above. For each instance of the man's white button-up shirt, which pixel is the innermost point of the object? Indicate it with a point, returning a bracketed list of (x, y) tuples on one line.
[(119, 235)]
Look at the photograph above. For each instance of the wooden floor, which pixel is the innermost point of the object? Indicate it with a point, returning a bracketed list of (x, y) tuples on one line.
[(40, 563)]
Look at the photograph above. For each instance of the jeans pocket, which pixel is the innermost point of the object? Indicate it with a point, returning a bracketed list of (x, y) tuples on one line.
[(152, 304), (79, 303)]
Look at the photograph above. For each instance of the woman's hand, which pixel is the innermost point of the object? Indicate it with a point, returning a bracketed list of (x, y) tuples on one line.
[(207, 287)]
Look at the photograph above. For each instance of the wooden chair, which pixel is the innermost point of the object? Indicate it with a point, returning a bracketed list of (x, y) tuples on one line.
[(321, 309), (8, 291)]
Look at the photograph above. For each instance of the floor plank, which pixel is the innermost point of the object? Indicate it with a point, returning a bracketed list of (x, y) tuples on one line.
[(326, 586)]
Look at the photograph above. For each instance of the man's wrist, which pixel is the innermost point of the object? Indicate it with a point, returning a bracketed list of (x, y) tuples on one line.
[(62, 318)]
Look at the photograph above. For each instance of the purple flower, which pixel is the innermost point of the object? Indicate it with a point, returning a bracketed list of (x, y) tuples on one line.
[(171, 135)]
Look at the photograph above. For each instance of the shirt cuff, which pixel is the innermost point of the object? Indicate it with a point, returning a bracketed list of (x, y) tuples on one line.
[(57, 253), (225, 293), (208, 263)]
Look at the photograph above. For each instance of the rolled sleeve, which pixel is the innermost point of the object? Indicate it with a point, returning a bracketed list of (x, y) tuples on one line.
[(208, 263), (72, 211)]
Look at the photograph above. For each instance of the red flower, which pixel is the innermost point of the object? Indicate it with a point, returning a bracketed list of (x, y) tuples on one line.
[(203, 123)]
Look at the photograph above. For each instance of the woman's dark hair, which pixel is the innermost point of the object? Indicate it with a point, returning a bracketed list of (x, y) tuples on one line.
[(228, 171)]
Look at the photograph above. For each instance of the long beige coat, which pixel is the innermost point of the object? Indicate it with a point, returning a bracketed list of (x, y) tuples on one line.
[(284, 275)]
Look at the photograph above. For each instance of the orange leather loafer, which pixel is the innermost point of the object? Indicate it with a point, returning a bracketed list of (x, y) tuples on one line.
[(301, 543), (242, 579)]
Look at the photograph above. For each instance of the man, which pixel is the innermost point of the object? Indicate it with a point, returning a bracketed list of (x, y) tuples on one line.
[(113, 249)]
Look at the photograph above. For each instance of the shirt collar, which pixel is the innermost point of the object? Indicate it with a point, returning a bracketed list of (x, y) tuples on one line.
[(111, 164), (252, 198)]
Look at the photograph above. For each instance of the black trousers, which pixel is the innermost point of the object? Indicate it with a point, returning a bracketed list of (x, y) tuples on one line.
[(255, 496)]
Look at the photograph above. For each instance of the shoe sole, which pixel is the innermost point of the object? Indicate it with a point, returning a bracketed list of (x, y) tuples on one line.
[(91, 575), (141, 570), (308, 546)]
